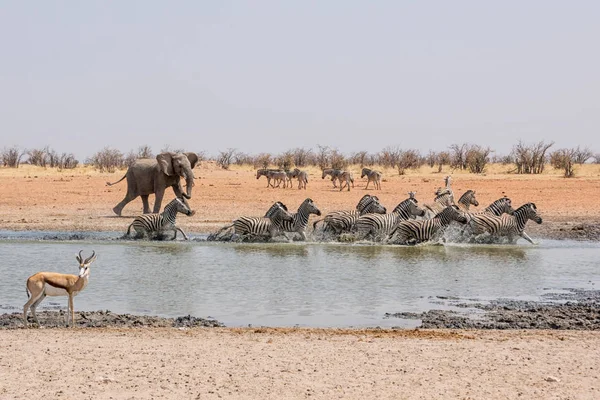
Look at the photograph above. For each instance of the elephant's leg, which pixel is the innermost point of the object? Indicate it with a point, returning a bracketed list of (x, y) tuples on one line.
[(158, 196), (128, 197), (146, 203)]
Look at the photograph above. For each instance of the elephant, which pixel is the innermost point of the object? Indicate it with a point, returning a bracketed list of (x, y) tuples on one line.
[(146, 176)]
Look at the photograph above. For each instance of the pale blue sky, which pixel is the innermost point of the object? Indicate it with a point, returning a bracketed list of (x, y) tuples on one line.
[(274, 75)]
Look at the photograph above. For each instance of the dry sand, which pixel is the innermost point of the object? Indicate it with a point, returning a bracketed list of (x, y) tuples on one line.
[(293, 364), (207, 363)]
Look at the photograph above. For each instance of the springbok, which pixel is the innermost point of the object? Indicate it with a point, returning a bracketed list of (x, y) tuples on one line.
[(44, 284)]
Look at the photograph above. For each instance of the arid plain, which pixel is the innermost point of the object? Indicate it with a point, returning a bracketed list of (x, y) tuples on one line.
[(252, 363)]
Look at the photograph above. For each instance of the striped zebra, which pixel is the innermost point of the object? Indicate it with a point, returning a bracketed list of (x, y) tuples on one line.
[(269, 174), (372, 176), (334, 173), (466, 200), (300, 218), (512, 226), (154, 225), (498, 207), (263, 227), (342, 221), (379, 226), (302, 177), (345, 178), (412, 231), (444, 199)]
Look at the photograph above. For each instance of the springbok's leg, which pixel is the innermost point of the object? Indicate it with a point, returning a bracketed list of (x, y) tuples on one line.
[(31, 300), (72, 311), (34, 307)]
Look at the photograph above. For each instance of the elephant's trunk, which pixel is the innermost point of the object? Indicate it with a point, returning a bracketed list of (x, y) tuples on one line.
[(189, 181)]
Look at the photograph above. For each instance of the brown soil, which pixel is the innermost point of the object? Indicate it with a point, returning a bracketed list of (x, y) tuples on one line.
[(79, 200), (201, 363)]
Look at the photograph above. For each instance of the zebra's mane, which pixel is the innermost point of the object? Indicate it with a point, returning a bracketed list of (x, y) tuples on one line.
[(403, 203), (466, 194)]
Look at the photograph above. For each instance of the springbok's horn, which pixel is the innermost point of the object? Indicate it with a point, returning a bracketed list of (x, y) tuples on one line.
[(87, 260), (79, 258)]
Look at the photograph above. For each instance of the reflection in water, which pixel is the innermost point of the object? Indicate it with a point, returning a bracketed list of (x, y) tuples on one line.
[(287, 284)]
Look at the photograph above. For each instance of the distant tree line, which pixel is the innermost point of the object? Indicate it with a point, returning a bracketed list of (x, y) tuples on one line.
[(525, 158)]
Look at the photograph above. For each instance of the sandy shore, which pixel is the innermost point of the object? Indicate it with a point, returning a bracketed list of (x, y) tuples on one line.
[(297, 363)]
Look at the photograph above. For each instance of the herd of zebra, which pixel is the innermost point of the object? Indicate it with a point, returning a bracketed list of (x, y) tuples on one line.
[(344, 178), (409, 223)]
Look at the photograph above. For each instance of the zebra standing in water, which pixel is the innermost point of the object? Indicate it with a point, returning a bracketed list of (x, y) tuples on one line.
[(444, 199), (250, 227), (412, 231), (372, 176), (379, 226), (302, 177), (343, 221), (466, 200), (152, 225), (506, 225), (300, 221)]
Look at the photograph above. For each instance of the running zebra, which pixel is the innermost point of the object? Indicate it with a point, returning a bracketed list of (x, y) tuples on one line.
[(154, 225), (334, 173), (263, 227), (343, 221), (372, 176), (498, 207), (300, 221), (412, 231), (466, 200), (302, 177), (512, 226), (379, 226), (444, 199)]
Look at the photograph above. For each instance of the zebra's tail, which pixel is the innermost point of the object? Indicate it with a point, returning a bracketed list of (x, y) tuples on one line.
[(114, 183), (129, 229)]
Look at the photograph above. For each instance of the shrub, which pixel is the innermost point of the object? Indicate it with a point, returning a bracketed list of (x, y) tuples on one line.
[(409, 159), (107, 160), (11, 157), (530, 159), (225, 158), (564, 159), (477, 158)]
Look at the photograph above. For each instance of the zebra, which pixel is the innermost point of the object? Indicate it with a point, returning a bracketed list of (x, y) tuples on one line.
[(412, 231), (444, 199), (334, 173), (343, 221), (247, 228), (498, 207), (156, 224), (302, 177), (269, 174), (466, 200), (379, 226), (345, 178), (506, 225), (372, 176), (300, 221)]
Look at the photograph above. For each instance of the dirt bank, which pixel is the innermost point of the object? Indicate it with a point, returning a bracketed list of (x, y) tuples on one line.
[(79, 200)]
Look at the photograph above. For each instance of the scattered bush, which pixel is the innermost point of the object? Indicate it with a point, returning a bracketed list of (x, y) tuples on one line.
[(443, 158), (583, 155), (11, 157), (225, 158), (303, 157), (107, 160), (409, 159), (530, 159), (565, 159), (476, 158)]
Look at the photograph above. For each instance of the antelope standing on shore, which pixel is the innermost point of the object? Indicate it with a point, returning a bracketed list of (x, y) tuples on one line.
[(44, 284)]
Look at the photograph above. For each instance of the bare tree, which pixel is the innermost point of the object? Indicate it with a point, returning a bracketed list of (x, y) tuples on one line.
[(390, 156), (458, 156), (530, 159), (38, 157), (67, 161), (408, 159), (107, 159), (477, 158), (145, 151), (359, 158), (338, 160), (431, 158), (597, 158), (322, 157), (564, 159), (443, 158), (225, 158), (11, 157), (583, 155), (302, 156)]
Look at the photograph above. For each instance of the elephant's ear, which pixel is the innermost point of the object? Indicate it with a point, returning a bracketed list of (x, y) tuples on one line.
[(193, 157), (165, 162)]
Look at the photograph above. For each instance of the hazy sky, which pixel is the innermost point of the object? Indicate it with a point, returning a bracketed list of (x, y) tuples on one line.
[(274, 75)]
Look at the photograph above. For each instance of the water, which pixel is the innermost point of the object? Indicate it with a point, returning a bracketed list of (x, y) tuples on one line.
[(317, 285)]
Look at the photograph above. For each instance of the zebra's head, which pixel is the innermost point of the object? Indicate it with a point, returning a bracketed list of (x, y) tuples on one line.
[(531, 212), (409, 207), (411, 195), (468, 198), (452, 213), (309, 206), (260, 172), (280, 213), (371, 206), (182, 206), (271, 211), (364, 172), (325, 173)]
